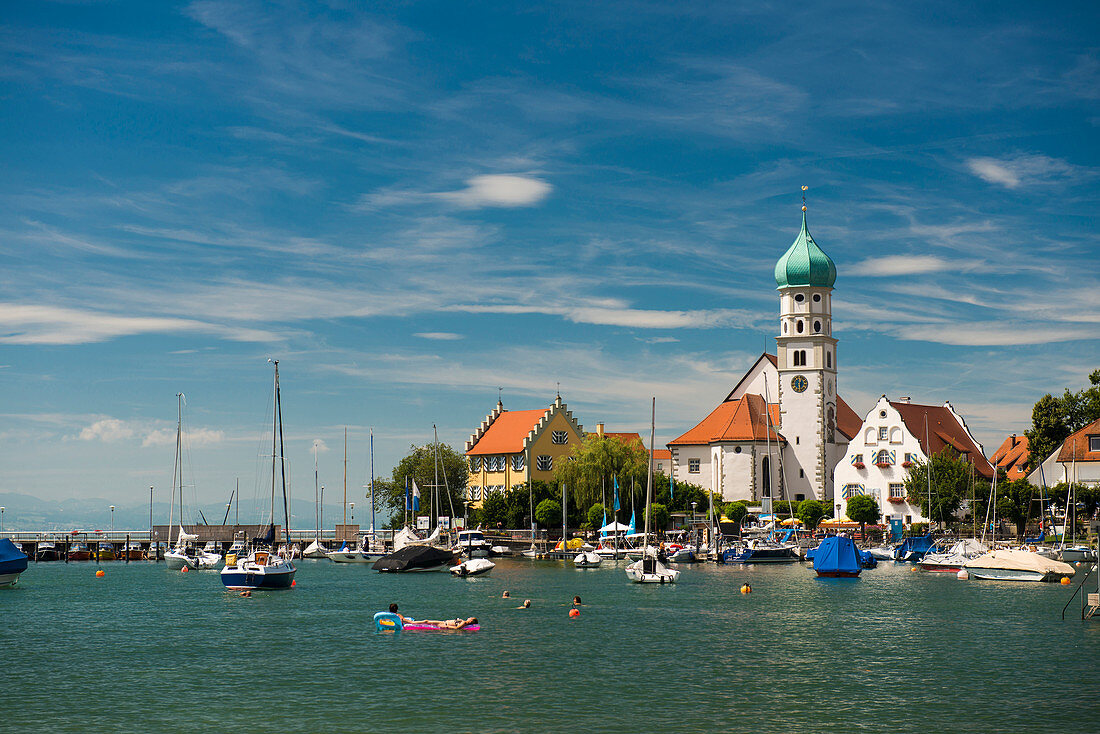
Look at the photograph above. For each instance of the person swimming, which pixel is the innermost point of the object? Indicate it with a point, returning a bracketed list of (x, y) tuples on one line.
[(577, 601), (525, 605), (505, 595)]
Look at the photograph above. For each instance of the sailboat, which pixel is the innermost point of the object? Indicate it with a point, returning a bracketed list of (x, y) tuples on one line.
[(262, 568), (649, 569), (315, 549), (185, 554)]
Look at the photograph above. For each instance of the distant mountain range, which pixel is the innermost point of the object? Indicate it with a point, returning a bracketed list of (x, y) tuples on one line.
[(24, 512)]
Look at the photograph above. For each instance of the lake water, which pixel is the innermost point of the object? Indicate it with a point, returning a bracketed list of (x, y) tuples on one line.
[(146, 649)]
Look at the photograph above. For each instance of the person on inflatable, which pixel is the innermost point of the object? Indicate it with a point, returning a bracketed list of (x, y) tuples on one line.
[(404, 619), (451, 624)]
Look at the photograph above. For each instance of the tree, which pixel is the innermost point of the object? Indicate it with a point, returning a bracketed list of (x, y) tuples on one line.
[(1054, 419), (420, 465), (736, 511), (659, 517), (595, 516), (1014, 502), (863, 509), (810, 513), (681, 496), (950, 484), (548, 513), (595, 462), (494, 509)]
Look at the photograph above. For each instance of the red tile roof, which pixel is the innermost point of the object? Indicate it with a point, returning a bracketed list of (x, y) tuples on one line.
[(627, 438), (507, 433), (734, 420), (943, 430), (1012, 456), (1076, 447), (848, 421)]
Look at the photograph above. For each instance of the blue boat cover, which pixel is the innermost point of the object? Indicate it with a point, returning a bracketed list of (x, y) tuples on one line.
[(837, 554), (917, 546), (867, 560), (12, 560)]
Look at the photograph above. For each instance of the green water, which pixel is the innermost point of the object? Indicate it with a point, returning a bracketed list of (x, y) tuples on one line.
[(146, 649)]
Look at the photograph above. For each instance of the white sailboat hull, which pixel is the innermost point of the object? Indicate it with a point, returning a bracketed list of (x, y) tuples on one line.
[(587, 559), (659, 574), (353, 556)]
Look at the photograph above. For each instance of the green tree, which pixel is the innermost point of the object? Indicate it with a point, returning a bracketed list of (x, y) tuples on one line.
[(951, 478), (420, 465), (494, 509), (1054, 419), (548, 513), (1014, 502), (736, 511), (595, 515), (810, 513), (680, 497), (863, 509), (659, 517), (594, 463)]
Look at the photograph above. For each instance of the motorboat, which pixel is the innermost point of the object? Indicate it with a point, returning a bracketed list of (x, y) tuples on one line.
[(473, 567), (191, 557), (106, 552), (13, 562), (762, 551), (882, 552), (260, 569), (587, 559), (359, 554), (46, 550), (913, 549), (414, 558), (132, 552), (472, 544), (79, 552), (682, 554), (953, 559), (650, 570), (1076, 553), (1017, 565), (838, 557)]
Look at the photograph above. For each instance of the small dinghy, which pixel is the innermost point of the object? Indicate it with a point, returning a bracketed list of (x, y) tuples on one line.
[(473, 567), (650, 570), (587, 559)]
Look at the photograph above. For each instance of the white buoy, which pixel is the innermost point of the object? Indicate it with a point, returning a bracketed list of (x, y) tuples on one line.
[(962, 575)]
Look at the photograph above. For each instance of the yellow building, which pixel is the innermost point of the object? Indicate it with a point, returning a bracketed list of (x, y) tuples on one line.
[(512, 446)]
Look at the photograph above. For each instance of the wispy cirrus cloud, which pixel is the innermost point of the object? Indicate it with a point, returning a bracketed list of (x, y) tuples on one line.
[(488, 190), (1022, 170), (190, 437), (902, 265), (439, 335)]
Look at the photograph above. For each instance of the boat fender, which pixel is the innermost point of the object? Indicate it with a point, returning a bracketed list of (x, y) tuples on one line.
[(1065, 581)]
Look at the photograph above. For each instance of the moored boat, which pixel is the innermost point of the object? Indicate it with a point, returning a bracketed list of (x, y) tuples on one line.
[(1017, 565), (650, 570), (837, 556), (47, 550), (79, 552), (415, 558), (953, 559), (132, 552), (13, 562), (473, 567), (587, 559), (106, 552)]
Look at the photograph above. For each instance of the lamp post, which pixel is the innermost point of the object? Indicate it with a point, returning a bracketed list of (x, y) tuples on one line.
[(2, 519), (112, 519), (693, 512)]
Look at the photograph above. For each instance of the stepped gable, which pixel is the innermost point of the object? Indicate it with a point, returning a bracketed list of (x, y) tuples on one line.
[(1076, 447), (511, 431), (734, 420), (945, 428), (1013, 456)]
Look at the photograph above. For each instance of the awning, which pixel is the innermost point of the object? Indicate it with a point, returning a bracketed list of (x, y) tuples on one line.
[(615, 527)]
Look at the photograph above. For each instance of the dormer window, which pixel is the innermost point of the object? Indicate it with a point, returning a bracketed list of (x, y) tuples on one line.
[(1094, 443)]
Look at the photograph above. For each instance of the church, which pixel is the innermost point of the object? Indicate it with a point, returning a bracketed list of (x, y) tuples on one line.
[(780, 432)]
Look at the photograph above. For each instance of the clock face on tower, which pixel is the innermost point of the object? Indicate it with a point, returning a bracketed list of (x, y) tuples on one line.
[(799, 384)]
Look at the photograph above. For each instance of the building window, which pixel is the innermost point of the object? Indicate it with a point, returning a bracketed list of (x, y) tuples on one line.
[(545, 463), (559, 437), (801, 474), (829, 360), (897, 490), (475, 463), (660, 466), (517, 462), (853, 490), (475, 493), (884, 458), (784, 327), (798, 326), (693, 466), (909, 459), (736, 449), (800, 358), (799, 298), (817, 298), (497, 463), (799, 497), (1094, 443), (883, 433), (817, 327)]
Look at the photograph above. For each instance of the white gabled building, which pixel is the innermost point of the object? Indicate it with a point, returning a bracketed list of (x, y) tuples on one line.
[(895, 435), (1076, 460)]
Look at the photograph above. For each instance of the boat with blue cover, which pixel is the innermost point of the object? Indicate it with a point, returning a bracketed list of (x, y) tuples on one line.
[(12, 563), (769, 550), (838, 556), (913, 549)]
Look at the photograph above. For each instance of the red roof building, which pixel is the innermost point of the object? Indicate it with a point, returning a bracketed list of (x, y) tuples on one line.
[(1012, 456)]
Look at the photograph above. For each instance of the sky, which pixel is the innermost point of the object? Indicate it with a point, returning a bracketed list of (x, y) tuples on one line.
[(413, 205)]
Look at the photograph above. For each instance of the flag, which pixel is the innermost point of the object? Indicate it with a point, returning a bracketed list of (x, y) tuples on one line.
[(631, 530), (603, 533), (671, 486), (415, 497), (616, 481)]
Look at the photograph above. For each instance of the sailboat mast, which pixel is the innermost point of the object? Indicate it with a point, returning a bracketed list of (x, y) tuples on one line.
[(175, 468), (435, 465), (345, 478), (649, 474), (274, 437), (316, 498), (372, 483), (282, 456), (928, 474)]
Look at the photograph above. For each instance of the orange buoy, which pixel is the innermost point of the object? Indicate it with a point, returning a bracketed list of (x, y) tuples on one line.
[(574, 612), (185, 569), (746, 589), (100, 573), (1065, 581)]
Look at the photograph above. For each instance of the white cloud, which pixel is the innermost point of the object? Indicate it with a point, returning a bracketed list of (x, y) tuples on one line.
[(986, 335), (319, 446), (499, 190), (1011, 172), (107, 430), (902, 265), (439, 335), (192, 437), (628, 317)]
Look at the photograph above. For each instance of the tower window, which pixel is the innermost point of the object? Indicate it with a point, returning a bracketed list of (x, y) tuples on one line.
[(801, 473), (817, 298), (784, 327), (798, 326), (817, 327), (828, 359), (799, 298)]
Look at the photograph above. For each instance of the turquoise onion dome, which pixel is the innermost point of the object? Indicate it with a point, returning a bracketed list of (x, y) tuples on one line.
[(805, 263)]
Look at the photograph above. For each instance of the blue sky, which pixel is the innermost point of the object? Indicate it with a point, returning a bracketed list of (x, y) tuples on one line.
[(413, 204)]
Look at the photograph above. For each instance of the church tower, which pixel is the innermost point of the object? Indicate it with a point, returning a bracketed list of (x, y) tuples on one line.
[(807, 364)]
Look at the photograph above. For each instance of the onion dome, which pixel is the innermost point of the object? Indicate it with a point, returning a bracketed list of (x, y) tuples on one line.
[(805, 264)]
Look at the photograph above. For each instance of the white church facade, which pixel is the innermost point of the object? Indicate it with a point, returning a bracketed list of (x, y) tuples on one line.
[(780, 432)]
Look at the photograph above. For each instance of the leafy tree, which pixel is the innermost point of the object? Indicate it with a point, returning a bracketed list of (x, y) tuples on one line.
[(548, 513), (1014, 502), (950, 484), (681, 496), (420, 465), (736, 511), (594, 463), (494, 509), (659, 517), (863, 509), (1054, 419), (595, 515), (810, 513)]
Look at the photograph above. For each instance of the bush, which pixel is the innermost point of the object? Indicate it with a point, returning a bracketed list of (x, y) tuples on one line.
[(595, 516), (735, 511), (548, 513), (660, 517)]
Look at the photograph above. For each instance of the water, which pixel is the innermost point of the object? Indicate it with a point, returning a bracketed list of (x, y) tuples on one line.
[(148, 649)]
